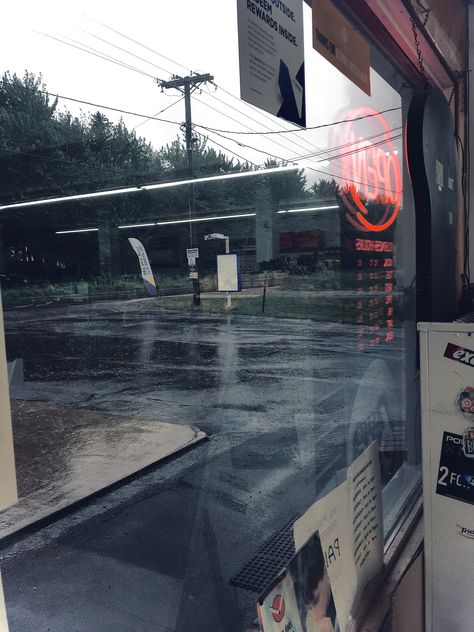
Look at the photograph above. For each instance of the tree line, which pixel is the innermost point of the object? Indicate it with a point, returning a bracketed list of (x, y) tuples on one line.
[(46, 151)]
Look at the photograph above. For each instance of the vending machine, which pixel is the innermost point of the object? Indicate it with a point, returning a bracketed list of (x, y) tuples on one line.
[(447, 399)]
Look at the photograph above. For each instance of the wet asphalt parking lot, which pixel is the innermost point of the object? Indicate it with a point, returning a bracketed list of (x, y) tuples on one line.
[(276, 398)]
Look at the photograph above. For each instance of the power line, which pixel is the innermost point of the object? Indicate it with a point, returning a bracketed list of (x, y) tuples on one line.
[(252, 107), (326, 173), (159, 112), (299, 157), (321, 126), (283, 131), (215, 109), (322, 152), (215, 130), (138, 43), (173, 61), (148, 117), (213, 96), (108, 107), (208, 128), (261, 112), (144, 116), (118, 62), (236, 121), (246, 160), (111, 59), (362, 148), (124, 50)]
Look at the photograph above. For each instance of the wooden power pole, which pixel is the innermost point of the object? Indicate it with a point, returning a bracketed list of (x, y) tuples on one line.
[(187, 85)]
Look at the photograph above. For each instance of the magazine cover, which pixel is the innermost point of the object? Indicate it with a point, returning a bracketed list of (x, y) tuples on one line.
[(301, 600)]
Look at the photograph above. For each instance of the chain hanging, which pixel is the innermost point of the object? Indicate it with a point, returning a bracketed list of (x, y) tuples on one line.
[(460, 75), (452, 95), (421, 65), (426, 12)]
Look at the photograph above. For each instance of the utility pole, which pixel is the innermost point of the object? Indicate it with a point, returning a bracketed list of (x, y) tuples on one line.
[(187, 85)]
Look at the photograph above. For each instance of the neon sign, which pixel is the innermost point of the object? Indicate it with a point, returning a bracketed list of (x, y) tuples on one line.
[(373, 190)]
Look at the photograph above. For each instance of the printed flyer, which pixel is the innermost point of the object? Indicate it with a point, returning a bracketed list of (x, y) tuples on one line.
[(271, 53)]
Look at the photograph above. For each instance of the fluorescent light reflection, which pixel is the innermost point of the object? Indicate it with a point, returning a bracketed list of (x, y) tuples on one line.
[(307, 210), (137, 225), (187, 221), (148, 187), (77, 230)]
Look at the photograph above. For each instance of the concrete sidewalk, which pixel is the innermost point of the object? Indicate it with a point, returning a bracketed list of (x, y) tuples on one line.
[(65, 454)]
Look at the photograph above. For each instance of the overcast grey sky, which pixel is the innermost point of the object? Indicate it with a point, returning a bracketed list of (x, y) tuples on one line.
[(201, 35)]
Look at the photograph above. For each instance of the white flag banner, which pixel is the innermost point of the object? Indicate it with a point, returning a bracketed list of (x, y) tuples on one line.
[(147, 274)]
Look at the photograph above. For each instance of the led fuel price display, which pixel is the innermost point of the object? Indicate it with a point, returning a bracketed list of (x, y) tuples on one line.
[(371, 198)]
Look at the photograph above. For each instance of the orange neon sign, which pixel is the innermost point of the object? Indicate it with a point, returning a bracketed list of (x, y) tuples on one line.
[(371, 172)]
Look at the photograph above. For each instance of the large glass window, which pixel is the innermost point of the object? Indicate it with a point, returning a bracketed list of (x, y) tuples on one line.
[(290, 377)]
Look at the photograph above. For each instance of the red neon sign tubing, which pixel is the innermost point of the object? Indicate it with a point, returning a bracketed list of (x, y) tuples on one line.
[(394, 198)]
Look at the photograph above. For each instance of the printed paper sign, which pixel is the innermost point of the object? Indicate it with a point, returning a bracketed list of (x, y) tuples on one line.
[(365, 506), (271, 51), (147, 274), (349, 521), (8, 488)]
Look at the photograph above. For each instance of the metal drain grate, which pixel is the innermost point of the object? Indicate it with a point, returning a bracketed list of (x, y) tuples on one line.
[(467, 318), (270, 559)]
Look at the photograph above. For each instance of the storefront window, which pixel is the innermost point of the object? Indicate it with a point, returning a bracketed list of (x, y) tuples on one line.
[(291, 376)]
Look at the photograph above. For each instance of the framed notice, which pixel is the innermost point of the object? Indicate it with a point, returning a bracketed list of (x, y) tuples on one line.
[(8, 488), (271, 53)]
